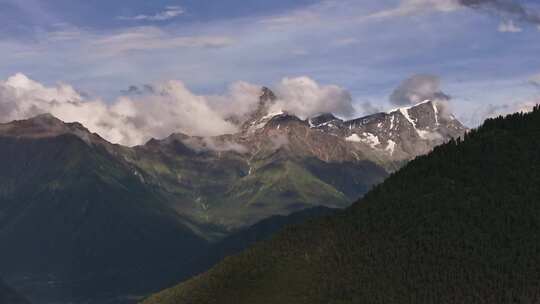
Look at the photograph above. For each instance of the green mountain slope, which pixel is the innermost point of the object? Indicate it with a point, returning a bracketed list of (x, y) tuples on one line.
[(9, 296), (232, 189), (77, 221), (461, 225)]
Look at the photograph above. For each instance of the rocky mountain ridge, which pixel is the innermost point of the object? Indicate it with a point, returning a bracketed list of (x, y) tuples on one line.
[(234, 180)]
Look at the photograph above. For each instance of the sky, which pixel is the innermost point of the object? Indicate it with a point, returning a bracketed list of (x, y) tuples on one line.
[(347, 56)]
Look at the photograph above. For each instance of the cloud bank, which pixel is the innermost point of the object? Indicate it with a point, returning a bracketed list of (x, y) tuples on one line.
[(130, 120), (156, 111)]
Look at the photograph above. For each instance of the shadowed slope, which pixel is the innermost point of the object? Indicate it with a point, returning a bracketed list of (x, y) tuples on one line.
[(76, 219)]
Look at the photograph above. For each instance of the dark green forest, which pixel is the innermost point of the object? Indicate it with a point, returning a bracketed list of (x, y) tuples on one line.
[(460, 225)]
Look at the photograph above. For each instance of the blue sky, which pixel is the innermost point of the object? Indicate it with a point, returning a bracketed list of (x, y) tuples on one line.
[(486, 59)]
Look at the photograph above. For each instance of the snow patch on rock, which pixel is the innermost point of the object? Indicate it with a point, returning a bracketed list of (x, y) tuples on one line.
[(391, 147), (367, 138)]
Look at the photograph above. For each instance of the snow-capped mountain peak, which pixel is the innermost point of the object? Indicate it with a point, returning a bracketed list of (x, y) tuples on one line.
[(387, 138)]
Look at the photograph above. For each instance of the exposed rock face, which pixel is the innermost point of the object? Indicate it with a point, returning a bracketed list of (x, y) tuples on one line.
[(404, 133)]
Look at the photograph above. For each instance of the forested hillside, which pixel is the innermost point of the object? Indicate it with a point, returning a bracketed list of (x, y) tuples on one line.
[(460, 225)]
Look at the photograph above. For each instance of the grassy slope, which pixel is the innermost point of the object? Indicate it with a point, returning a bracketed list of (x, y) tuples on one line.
[(224, 190), (295, 188), (461, 225)]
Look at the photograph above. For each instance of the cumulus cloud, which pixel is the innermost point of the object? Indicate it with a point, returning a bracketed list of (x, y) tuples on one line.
[(418, 88), (129, 120), (304, 97), (156, 111), (241, 99), (168, 13), (509, 26)]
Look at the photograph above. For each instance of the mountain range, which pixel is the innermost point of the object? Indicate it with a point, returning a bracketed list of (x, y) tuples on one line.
[(80, 216), (460, 225)]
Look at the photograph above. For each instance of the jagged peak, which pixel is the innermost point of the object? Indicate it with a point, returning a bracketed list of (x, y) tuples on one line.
[(258, 117), (267, 95)]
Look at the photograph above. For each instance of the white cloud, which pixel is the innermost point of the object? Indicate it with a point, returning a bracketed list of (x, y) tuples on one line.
[(164, 108), (414, 7), (168, 13), (241, 99), (418, 88), (509, 26), (153, 38), (128, 120), (304, 97)]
